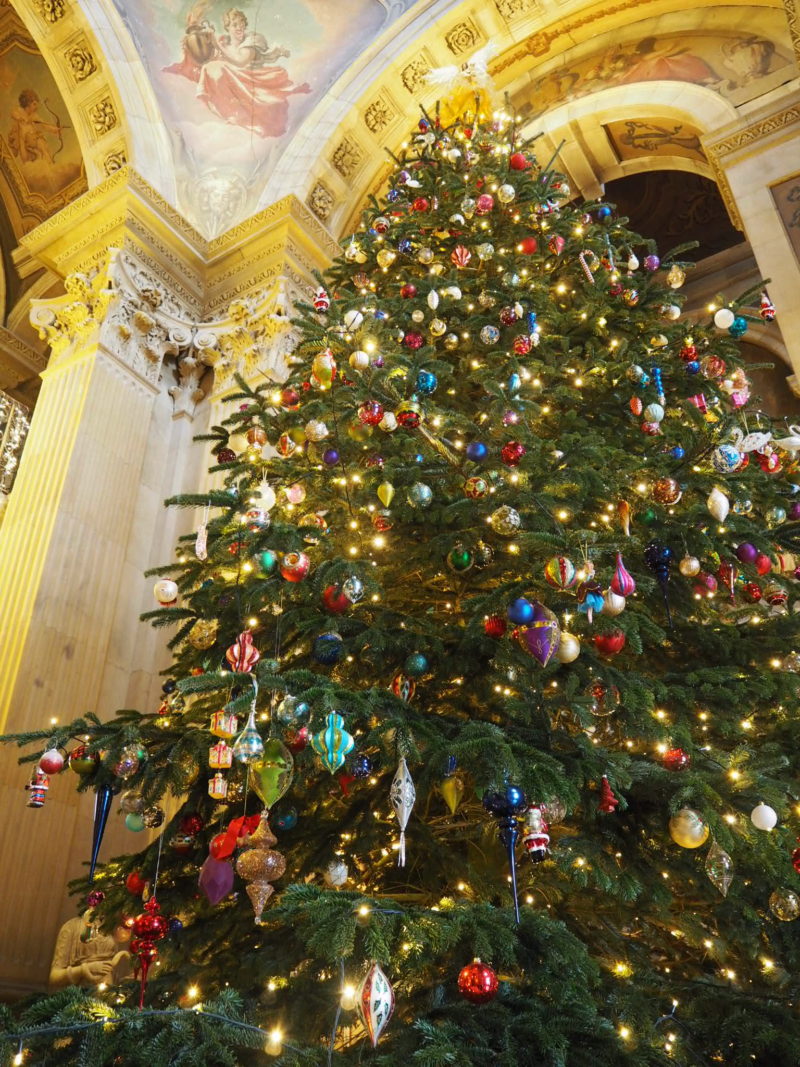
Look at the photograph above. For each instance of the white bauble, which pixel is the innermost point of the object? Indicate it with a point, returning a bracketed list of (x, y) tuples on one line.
[(389, 422), (316, 430), (569, 648), (718, 504), (724, 318), (433, 300), (165, 591), (353, 319), (613, 603), (359, 360), (763, 817)]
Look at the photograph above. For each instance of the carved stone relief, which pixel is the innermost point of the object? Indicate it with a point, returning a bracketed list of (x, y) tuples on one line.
[(463, 37), (414, 74), (320, 200), (379, 114), (102, 116), (348, 157), (81, 62)]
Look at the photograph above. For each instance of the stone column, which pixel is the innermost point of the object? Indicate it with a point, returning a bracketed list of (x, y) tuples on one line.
[(757, 165)]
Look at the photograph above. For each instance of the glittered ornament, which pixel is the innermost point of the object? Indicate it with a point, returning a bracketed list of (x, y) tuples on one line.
[(224, 725), (540, 636), (505, 521), (203, 634), (688, 829), (489, 335), (495, 626), (408, 415), (689, 566), (327, 648), (375, 1002), (476, 487), (420, 495), (676, 759), (148, 928), (658, 558), (259, 865), (477, 983), (666, 491), (128, 762), (512, 453)]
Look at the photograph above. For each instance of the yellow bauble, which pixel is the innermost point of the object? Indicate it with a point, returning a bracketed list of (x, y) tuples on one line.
[(688, 829)]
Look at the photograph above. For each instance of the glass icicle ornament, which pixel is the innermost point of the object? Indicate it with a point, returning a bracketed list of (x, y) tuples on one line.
[(375, 1002), (719, 868), (402, 795)]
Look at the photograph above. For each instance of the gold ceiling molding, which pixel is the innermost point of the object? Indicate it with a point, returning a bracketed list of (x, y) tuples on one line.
[(793, 18), (756, 131), (725, 191)]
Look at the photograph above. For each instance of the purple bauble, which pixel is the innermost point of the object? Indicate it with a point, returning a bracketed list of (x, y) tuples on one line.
[(794, 510), (510, 418), (746, 552), (330, 456), (651, 262)]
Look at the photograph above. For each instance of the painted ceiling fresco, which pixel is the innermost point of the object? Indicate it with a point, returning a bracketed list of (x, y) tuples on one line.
[(234, 83)]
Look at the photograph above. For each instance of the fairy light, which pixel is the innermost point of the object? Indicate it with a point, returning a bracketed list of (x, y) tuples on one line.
[(274, 1045), (192, 993), (349, 998), (625, 1032)]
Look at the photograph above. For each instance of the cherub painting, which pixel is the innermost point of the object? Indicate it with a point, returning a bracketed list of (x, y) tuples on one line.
[(237, 74), (27, 137)]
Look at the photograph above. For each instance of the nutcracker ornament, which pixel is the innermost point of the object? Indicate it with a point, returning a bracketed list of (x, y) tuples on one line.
[(536, 838)]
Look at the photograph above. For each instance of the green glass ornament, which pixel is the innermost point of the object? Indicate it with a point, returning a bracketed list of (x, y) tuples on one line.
[(647, 517), (459, 559), (272, 775)]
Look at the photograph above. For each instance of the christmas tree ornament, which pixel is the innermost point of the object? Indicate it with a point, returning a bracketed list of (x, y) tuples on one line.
[(153, 817), (718, 504), (477, 983), (590, 598), (420, 495), (675, 759), (746, 552), (719, 867), (605, 700), (218, 787), (666, 491), (560, 572), (37, 788), (688, 829), (272, 774), (540, 637), (658, 558), (726, 458), (416, 664), (243, 655), (128, 762), (148, 928), (505, 805), (327, 648), (608, 802), (52, 762), (624, 515), (248, 747), (675, 276), (403, 687), (728, 572), (82, 761), (520, 611), (613, 603), (224, 725), (102, 807), (766, 308), (131, 802), (220, 756), (203, 634), (134, 822), (763, 817), (495, 626), (569, 648), (353, 588), (402, 795), (385, 493), (689, 566), (268, 561), (295, 566), (452, 789), (375, 1003), (336, 874), (512, 453), (723, 319), (259, 865), (333, 742), (738, 328), (165, 592), (505, 521), (775, 515), (784, 905), (622, 583), (476, 487), (476, 451), (334, 600), (291, 710), (256, 436), (610, 643), (536, 839)]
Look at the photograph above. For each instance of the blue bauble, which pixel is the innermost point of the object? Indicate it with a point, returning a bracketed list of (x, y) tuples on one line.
[(284, 820), (521, 611), (416, 664), (726, 458), (505, 802), (514, 383), (419, 458), (393, 195), (604, 212), (327, 648), (404, 245), (738, 327), (693, 366), (476, 451), (361, 766), (677, 452), (426, 382), (175, 925), (330, 457)]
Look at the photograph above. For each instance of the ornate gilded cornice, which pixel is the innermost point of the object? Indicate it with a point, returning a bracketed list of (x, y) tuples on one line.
[(793, 18)]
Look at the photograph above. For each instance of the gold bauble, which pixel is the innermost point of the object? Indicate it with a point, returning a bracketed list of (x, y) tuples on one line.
[(666, 491), (203, 634), (688, 829)]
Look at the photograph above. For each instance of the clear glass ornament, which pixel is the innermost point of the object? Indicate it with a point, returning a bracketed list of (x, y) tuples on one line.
[(719, 868)]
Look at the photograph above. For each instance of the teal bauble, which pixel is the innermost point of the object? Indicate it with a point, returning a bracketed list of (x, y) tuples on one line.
[(775, 516), (420, 495), (291, 710), (135, 822), (269, 561), (416, 665)]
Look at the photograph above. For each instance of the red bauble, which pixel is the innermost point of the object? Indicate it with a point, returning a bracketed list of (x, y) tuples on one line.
[(381, 521), (408, 291), (770, 464), (528, 246), (135, 883), (512, 453), (495, 626), (796, 860), (219, 847), (295, 566), (477, 983), (752, 592), (290, 398), (151, 925), (370, 412), (676, 759), (421, 204), (334, 601), (611, 643), (192, 824), (615, 289), (522, 344), (297, 740), (225, 456), (688, 353), (518, 162), (52, 761), (413, 340), (508, 315), (763, 563)]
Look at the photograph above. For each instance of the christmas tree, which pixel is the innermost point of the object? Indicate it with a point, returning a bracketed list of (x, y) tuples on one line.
[(483, 695)]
